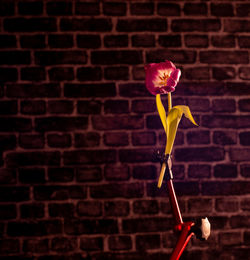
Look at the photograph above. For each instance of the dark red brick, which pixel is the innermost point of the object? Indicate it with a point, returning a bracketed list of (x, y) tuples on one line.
[(243, 10), (230, 239), (224, 137), (114, 8), (32, 210), (86, 25), (115, 41), (59, 192), (88, 41), (65, 210), (225, 171), (165, 9), (144, 242), (195, 9), (91, 243), (232, 25), (224, 105), (141, 8), (238, 221), (221, 9), (136, 155), (15, 194), (59, 8), (88, 174), (197, 73), (30, 24), (116, 208), (89, 107), (244, 204), (8, 74), (116, 106), (60, 123), (89, 74), (9, 246), (31, 141), (61, 174), (142, 207), (89, 157), (30, 8), (59, 140), (244, 105), (120, 243), (8, 107), (60, 57), (133, 90), (138, 73), (115, 139), (14, 57), (33, 107), (63, 244), (90, 90), (244, 73), (116, 73), (58, 41), (195, 25), (33, 74), (8, 142), (199, 41), (226, 204), (116, 173), (8, 211), (36, 245), (147, 172), (88, 139), (244, 138), (198, 137), (143, 138), (239, 155), (170, 40), (143, 106), (199, 171), (200, 205), (58, 74), (227, 41), (7, 176), (32, 41), (7, 41), (145, 40), (142, 25), (15, 124), (7, 8), (117, 190), (89, 208), (82, 8), (60, 107), (223, 73)]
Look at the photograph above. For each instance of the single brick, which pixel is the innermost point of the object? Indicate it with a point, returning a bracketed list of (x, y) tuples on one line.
[(89, 107), (116, 173), (89, 157), (224, 137), (62, 174), (147, 172), (117, 190), (116, 106), (7, 41), (7, 8), (33, 107), (7, 176), (200, 205), (115, 139), (8, 107), (170, 40), (91, 243), (63, 244), (60, 57), (33, 74), (33, 90), (230, 239), (14, 124), (65, 210), (32, 158), (232, 25), (197, 73), (116, 73), (89, 74), (143, 106), (30, 8), (59, 140), (133, 90), (8, 74), (8, 142), (30, 24), (221, 9), (14, 194), (238, 221), (136, 155), (145, 40), (141, 8), (199, 41), (32, 210), (9, 246), (88, 41), (14, 57), (224, 105), (242, 10), (89, 208), (244, 41), (138, 73), (115, 41), (195, 25), (43, 124), (168, 9), (31, 141), (59, 74), (114, 8), (88, 174), (32, 41), (8, 211), (90, 90), (222, 73), (198, 137), (195, 9), (143, 138), (141, 25), (59, 8), (180, 56), (244, 138), (204, 154), (227, 41), (244, 105), (238, 154), (120, 243), (142, 207), (116, 208), (56, 192), (226, 204), (60, 107), (116, 57), (36, 245), (88, 139), (148, 242), (60, 41), (244, 204), (82, 8), (225, 171), (86, 25), (38, 228)]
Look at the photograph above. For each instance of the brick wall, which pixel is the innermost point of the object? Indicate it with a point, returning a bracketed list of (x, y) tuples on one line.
[(78, 129)]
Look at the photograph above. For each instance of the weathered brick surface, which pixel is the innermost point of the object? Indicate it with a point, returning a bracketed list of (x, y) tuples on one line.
[(80, 132)]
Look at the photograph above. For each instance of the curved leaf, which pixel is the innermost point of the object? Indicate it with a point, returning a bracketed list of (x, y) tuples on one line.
[(187, 113)]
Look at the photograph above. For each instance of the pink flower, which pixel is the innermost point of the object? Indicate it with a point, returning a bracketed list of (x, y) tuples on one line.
[(161, 78)]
